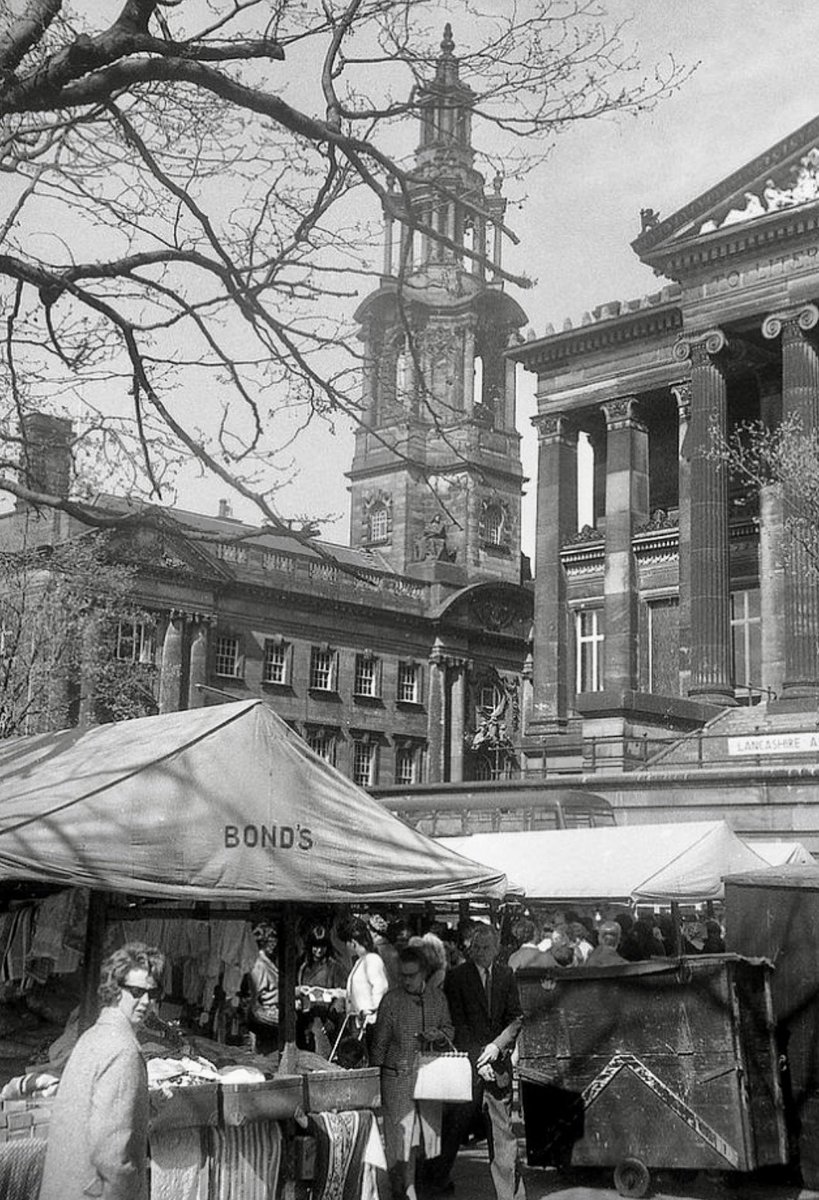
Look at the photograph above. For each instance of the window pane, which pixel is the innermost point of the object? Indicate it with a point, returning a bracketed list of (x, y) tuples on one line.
[(366, 676), (324, 745), (378, 524), (321, 669), (227, 656), (275, 662), (408, 683), (405, 766), (363, 764)]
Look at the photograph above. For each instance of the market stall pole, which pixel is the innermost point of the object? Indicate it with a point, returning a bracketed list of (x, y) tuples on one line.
[(662, 1064), (92, 958)]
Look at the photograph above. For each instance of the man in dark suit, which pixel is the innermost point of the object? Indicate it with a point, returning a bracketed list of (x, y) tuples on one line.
[(485, 1008)]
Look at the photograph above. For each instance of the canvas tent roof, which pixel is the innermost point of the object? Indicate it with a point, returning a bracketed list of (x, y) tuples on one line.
[(777, 853), (224, 803), (681, 862)]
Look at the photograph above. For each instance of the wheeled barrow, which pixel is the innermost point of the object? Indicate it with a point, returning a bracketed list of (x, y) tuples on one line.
[(670, 1064)]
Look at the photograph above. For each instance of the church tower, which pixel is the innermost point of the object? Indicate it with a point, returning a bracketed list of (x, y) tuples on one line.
[(436, 478)]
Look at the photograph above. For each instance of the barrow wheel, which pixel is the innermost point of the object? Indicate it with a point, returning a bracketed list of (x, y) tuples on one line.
[(632, 1178)]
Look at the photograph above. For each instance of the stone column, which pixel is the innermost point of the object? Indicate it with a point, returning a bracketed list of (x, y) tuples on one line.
[(626, 507), (170, 679), (436, 713), (469, 368), (771, 540), (389, 220), (527, 698), (510, 404), (800, 401), (90, 652), (457, 702), (682, 394), (198, 673), (711, 657), (556, 520)]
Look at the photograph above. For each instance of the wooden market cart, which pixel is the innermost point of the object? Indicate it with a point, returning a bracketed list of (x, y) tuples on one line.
[(665, 1064)]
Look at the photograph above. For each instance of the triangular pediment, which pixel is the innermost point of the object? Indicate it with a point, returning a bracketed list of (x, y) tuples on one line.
[(159, 543), (784, 178)]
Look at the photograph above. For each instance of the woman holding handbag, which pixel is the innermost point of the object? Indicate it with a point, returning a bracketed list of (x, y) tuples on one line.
[(412, 1017)]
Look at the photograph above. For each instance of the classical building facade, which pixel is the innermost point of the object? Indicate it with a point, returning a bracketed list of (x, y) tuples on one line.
[(397, 655), (675, 642)]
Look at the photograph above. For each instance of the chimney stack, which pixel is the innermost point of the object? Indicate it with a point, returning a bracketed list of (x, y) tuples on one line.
[(225, 511), (45, 454)]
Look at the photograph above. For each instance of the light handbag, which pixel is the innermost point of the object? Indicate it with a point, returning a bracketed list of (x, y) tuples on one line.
[(446, 1076)]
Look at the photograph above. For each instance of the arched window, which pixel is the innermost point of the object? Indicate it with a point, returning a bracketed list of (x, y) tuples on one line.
[(379, 523), (494, 525), (477, 379)]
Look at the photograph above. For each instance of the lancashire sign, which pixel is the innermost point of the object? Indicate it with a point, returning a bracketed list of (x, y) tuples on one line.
[(775, 743)]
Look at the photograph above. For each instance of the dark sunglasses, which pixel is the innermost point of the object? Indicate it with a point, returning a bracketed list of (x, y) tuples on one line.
[(154, 993)]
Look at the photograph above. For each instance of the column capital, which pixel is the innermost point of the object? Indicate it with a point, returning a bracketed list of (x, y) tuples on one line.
[(708, 343), (730, 355), (791, 322), (622, 413), (441, 656), (554, 428)]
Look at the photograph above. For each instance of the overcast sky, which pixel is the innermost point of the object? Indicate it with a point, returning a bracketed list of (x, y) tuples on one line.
[(755, 83)]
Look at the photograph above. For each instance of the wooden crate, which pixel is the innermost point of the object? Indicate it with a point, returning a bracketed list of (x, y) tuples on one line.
[(339, 1091), (188, 1107), (274, 1100), (27, 1118)]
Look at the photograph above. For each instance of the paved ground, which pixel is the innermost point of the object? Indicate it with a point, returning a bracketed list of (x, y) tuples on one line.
[(472, 1182)]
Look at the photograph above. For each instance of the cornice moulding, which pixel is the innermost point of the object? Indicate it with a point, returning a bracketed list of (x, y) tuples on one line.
[(600, 335)]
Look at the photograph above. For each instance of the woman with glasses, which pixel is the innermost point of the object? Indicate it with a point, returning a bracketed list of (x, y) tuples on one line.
[(98, 1134)]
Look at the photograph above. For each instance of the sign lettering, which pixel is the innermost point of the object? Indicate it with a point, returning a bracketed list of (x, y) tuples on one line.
[(272, 837), (775, 743)]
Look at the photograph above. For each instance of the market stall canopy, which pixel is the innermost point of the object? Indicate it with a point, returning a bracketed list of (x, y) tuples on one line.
[(683, 862), (219, 803), (777, 853)]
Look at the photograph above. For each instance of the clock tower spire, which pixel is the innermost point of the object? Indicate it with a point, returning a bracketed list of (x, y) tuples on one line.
[(436, 479)]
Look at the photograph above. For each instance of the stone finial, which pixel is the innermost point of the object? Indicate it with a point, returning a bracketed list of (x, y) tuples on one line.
[(448, 43)]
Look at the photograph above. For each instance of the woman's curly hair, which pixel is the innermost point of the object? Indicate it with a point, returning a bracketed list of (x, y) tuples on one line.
[(135, 956)]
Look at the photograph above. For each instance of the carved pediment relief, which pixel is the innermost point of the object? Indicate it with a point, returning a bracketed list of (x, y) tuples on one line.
[(798, 185), (782, 178)]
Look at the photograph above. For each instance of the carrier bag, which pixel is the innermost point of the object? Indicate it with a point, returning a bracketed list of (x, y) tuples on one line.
[(446, 1076)]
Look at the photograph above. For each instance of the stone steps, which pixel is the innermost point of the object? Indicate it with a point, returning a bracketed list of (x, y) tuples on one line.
[(710, 745)]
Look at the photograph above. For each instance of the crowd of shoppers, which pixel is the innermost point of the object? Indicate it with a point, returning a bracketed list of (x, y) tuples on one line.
[(394, 993)]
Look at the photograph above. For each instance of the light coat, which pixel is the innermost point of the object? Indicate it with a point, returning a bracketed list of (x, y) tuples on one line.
[(98, 1133)]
